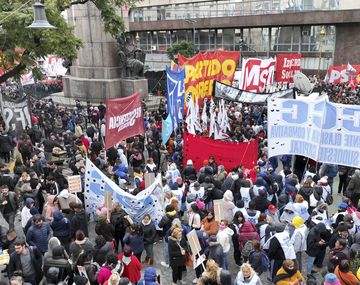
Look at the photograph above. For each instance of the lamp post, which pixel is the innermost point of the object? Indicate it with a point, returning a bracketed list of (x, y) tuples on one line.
[(191, 21), (40, 20), (322, 34)]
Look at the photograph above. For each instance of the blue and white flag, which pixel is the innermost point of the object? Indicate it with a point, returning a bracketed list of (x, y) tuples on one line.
[(175, 87), (148, 201), (167, 129)]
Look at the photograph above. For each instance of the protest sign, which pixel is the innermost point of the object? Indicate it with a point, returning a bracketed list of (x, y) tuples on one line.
[(16, 113), (257, 74), (74, 183), (227, 92), (219, 213), (194, 242), (203, 68), (124, 119), (286, 67), (341, 74), (323, 131)]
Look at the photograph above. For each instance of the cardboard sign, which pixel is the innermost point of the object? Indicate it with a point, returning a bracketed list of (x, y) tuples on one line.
[(219, 214), (108, 199), (74, 183), (194, 242), (149, 179)]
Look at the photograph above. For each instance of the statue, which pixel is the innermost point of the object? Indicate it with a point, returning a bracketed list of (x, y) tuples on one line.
[(128, 53)]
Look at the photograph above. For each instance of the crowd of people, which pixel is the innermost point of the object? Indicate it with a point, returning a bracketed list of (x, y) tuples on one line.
[(275, 219)]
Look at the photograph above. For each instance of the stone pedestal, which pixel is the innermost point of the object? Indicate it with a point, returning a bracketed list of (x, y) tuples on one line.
[(130, 86), (95, 74)]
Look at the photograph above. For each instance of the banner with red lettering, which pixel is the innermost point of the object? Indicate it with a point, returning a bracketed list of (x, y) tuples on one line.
[(124, 119), (257, 74), (229, 154), (343, 74), (286, 67), (202, 69)]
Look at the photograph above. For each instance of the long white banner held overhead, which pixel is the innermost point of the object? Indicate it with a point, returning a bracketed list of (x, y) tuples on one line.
[(320, 130)]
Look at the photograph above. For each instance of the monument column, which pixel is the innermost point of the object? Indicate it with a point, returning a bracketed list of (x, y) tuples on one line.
[(96, 73)]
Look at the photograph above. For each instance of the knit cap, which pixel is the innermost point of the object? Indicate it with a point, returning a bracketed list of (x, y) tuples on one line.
[(331, 279)]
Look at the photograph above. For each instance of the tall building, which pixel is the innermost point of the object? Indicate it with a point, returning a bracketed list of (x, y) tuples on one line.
[(325, 31)]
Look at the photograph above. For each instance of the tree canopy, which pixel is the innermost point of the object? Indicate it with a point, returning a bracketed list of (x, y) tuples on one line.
[(185, 48), (16, 15)]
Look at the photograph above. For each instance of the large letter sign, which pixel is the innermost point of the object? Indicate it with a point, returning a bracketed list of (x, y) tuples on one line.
[(323, 131)]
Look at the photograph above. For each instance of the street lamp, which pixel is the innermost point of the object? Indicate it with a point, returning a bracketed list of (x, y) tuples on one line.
[(322, 34), (190, 21), (40, 20)]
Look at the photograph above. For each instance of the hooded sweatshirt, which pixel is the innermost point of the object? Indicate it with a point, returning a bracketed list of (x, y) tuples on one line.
[(50, 207), (60, 225), (228, 205), (288, 217), (150, 277), (25, 212), (53, 242)]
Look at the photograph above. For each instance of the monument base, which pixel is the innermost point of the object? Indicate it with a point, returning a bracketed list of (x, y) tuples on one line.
[(98, 90)]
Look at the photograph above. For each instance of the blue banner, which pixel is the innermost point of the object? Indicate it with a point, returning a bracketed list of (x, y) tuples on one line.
[(148, 201), (323, 131), (175, 87), (167, 129)]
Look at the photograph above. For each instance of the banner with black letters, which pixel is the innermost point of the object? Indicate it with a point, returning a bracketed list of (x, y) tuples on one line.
[(15, 112)]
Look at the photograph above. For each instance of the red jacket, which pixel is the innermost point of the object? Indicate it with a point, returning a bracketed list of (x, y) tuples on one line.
[(246, 233), (86, 143), (133, 269)]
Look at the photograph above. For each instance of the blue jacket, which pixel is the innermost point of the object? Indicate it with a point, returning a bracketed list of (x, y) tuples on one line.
[(39, 236), (121, 171), (135, 241), (60, 225)]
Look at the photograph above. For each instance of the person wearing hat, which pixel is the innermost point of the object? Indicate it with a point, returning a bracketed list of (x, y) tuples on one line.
[(321, 211), (280, 248), (339, 216), (298, 239), (273, 213), (189, 170), (331, 279)]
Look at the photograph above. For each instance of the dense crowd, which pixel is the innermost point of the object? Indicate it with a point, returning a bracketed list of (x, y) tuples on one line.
[(274, 216)]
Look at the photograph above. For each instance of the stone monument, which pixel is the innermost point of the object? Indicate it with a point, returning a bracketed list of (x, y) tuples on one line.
[(97, 73)]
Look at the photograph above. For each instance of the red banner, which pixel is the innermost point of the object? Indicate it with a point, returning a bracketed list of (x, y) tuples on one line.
[(203, 68), (343, 74), (286, 67), (124, 119), (257, 74), (229, 154)]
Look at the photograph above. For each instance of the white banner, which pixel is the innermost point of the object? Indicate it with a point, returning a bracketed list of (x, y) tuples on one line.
[(323, 131)]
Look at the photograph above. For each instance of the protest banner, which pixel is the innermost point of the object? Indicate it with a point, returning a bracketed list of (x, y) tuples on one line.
[(74, 183), (194, 242), (229, 154), (323, 131), (175, 87), (124, 119), (286, 67), (203, 68), (148, 201), (341, 74), (219, 213), (227, 92), (16, 113), (257, 74)]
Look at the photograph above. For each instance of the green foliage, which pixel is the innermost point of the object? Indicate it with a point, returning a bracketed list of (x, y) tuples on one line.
[(185, 48), (355, 264), (15, 16)]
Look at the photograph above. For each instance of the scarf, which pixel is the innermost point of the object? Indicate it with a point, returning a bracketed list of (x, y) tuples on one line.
[(146, 224)]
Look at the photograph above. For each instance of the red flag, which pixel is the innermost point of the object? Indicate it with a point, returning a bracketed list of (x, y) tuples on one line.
[(124, 119), (286, 67)]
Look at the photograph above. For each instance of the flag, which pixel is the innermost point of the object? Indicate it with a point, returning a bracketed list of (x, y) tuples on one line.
[(175, 87), (350, 68), (167, 129), (204, 116), (124, 119), (148, 201)]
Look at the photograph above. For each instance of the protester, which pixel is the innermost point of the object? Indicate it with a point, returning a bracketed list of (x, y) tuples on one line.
[(247, 275)]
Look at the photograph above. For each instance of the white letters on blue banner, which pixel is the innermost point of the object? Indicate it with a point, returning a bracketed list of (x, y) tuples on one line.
[(323, 131), (148, 201), (175, 87)]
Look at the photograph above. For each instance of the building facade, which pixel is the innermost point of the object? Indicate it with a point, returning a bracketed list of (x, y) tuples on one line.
[(325, 31)]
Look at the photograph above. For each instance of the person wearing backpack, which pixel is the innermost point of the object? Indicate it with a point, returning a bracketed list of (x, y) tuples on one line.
[(247, 234), (258, 258)]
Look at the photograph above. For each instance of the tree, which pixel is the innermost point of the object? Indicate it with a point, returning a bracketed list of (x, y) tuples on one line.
[(185, 48), (15, 16)]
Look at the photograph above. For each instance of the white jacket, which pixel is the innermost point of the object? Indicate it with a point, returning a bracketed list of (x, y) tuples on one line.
[(224, 238)]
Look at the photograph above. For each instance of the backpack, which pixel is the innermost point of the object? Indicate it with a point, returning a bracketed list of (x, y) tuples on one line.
[(265, 261), (248, 247)]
